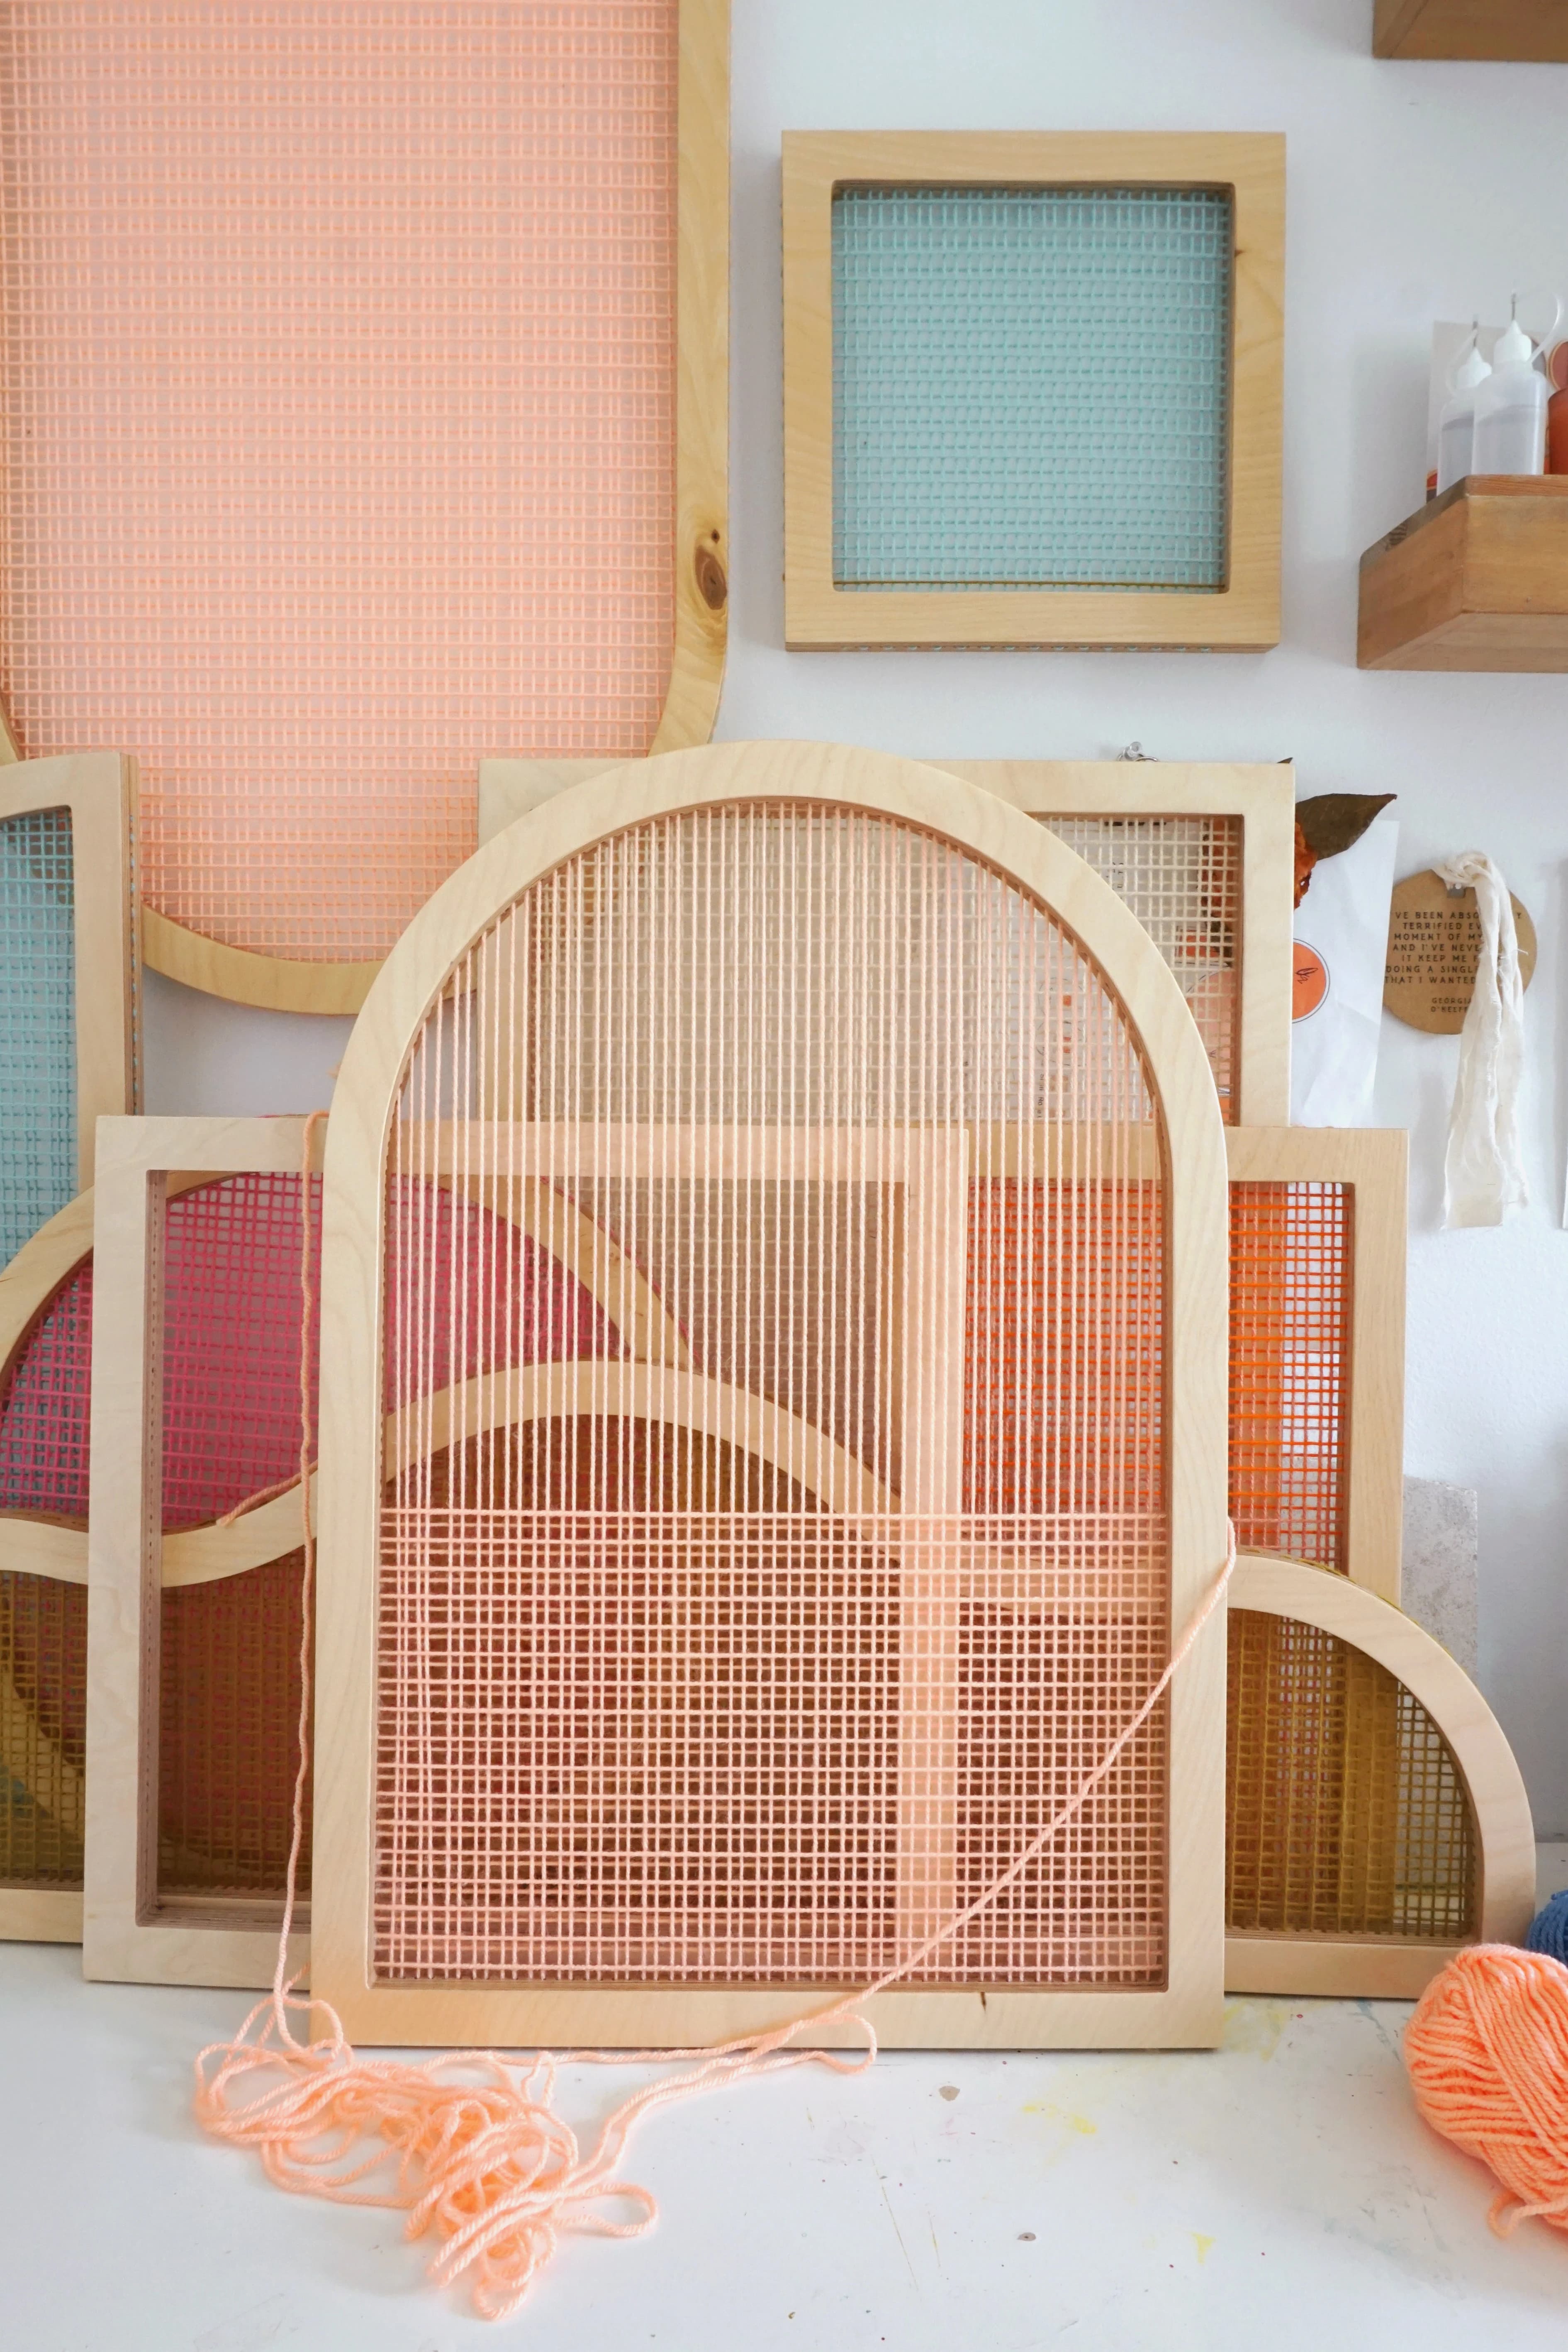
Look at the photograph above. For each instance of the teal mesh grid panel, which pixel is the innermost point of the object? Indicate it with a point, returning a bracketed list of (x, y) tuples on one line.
[(1030, 387), (37, 1024)]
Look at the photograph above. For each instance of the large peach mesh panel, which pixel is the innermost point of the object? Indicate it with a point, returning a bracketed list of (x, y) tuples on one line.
[(43, 1730), (1182, 877), (1291, 1280), (339, 422), (1345, 1811), (697, 1659)]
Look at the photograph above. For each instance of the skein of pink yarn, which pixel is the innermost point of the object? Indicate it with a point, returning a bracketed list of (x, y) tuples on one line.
[(1487, 2051)]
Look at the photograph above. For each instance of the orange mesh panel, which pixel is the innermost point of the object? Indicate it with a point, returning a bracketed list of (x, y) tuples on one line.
[(340, 424), (1182, 877), (1291, 1285), (43, 1730), (742, 1648), (1345, 1812)]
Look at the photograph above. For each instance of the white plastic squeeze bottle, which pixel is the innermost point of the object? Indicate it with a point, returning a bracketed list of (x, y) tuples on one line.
[(1456, 425), (1511, 409)]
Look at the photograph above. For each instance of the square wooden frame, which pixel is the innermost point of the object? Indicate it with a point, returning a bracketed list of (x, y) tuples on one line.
[(1372, 1163), (128, 1935), (99, 788), (1263, 796), (1244, 615)]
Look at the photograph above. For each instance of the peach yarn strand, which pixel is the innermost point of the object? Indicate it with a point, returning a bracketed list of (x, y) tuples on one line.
[(486, 2161)]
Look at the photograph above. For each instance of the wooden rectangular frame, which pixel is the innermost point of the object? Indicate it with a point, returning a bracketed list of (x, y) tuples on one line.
[(1185, 2012), (127, 1935), (1242, 616), (1263, 796), (99, 788), (700, 554)]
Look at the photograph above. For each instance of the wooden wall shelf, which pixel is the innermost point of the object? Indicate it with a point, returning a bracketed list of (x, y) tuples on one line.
[(1477, 579), (1530, 32)]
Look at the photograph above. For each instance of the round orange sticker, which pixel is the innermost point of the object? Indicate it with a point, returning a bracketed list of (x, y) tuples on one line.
[(1309, 979)]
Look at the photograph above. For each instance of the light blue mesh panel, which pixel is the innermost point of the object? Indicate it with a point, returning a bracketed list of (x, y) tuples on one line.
[(1030, 387), (37, 1024)]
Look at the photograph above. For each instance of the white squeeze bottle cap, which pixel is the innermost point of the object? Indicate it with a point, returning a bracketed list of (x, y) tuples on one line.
[(1473, 370), (1514, 348)]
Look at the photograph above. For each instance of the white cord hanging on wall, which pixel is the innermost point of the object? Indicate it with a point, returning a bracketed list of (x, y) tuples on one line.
[(1483, 1173)]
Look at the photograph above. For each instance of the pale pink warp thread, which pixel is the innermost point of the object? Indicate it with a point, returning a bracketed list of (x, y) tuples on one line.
[(488, 2161)]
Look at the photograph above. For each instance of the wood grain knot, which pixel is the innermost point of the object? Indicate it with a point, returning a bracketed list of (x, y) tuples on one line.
[(711, 584)]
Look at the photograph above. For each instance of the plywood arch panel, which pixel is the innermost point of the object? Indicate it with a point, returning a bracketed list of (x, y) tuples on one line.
[(924, 1168)]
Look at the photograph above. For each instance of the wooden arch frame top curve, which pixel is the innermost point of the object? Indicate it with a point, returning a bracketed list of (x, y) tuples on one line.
[(700, 557), (352, 1437)]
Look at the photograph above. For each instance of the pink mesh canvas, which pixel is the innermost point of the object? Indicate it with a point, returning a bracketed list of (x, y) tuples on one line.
[(339, 430)]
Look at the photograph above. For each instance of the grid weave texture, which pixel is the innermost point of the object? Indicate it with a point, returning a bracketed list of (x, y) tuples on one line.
[(37, 1024), (1291, 1293), (1182, 877), (744, 1647), (1030, 387), (338, 427), (43, 1730), (1345, 1811)]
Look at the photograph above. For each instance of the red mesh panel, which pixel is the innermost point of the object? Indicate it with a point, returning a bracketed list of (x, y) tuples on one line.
[(1290, 1279), (44, 1411), (339, 423)]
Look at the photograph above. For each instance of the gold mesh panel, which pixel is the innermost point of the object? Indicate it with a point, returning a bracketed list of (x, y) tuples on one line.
[(43, 1730), (1345, 1811)]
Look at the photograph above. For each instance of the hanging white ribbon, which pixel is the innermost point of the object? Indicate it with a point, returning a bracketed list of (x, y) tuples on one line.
[(1483, 1176)]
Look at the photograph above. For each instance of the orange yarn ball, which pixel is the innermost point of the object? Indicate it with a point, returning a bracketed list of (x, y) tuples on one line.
[(1486, 2052)]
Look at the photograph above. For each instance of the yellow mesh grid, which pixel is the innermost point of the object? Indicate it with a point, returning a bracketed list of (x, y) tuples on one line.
[(1345, 1812)]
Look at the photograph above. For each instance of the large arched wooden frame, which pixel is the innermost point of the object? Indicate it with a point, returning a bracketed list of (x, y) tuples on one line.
[(1389, 1967), (1188, 2011), (700, 556)]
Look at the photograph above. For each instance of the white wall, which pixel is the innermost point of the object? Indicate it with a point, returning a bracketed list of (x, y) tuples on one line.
[(1415, 192)]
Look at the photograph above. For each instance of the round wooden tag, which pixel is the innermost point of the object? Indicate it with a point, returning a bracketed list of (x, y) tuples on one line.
[(1434, 948)]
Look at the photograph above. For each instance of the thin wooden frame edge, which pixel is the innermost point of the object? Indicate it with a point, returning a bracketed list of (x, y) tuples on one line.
[(1358, 1967), (1243, 616), (120, 1942), (1188, 2011)]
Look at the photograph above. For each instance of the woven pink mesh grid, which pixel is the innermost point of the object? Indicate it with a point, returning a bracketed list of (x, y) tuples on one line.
[(339, 429), (742, 1650)]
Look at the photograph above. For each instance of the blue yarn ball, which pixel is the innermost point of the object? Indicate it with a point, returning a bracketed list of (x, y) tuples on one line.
[(1547, 1930)]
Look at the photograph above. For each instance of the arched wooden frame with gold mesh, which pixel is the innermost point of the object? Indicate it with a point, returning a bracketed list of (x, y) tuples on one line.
[(1201, 850), (193, 1547), (1376, 1818), (669, 1677), (449, 469)]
